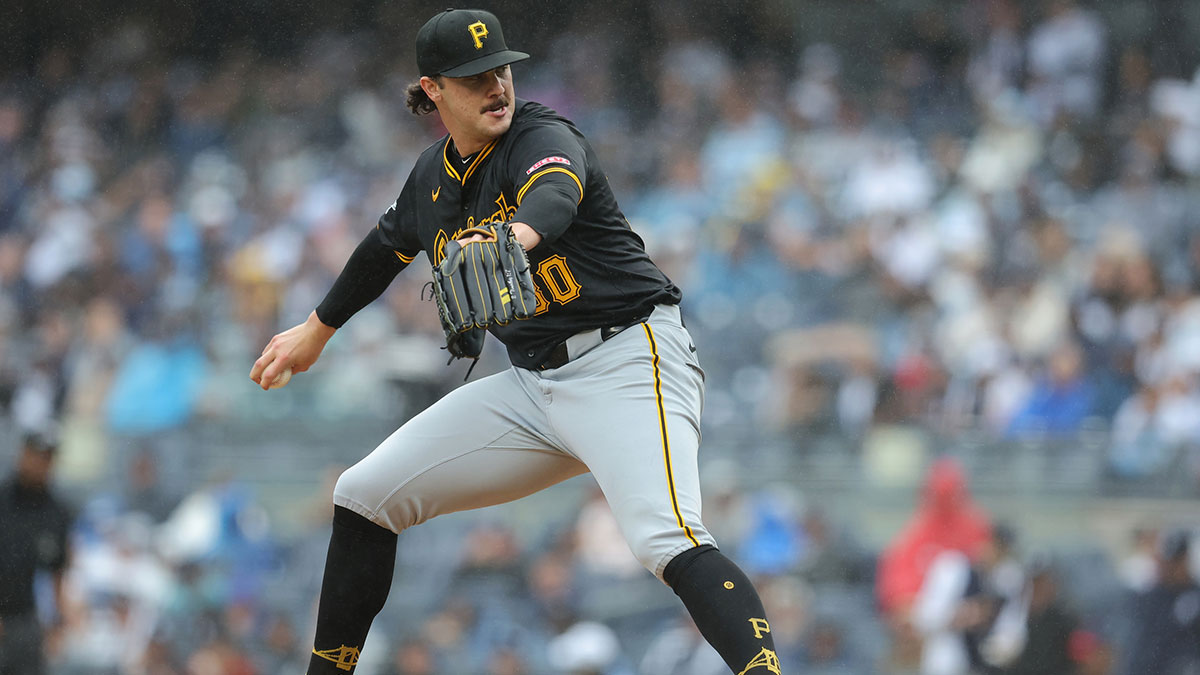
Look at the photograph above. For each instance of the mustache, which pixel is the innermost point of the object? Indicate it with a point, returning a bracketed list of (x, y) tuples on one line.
[(500, 103)]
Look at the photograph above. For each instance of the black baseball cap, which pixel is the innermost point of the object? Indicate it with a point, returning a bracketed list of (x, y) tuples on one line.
[(461, 43)]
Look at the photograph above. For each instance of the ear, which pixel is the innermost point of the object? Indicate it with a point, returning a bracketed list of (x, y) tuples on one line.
[(432, 89)]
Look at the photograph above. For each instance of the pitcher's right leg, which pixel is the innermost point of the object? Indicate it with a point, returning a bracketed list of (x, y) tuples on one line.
[(478, 446)]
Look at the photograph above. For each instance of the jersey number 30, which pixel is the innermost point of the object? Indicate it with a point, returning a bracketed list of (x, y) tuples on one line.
[(556, 278)]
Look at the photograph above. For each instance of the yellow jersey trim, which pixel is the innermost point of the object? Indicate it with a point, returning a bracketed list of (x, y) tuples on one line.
[(462, 178), (404, 258), (487, 149), (446, 161), (543, 172)]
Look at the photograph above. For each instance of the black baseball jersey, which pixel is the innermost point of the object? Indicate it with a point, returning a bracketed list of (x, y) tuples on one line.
[(591, 270)]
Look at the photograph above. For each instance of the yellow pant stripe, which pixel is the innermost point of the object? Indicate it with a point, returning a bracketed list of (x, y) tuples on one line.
[(662, 425)]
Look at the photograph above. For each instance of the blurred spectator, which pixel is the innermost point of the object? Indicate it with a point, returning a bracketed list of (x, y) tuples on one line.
[(1138, 450), (220, 658), (1052, 641), (1066, 61), (775, 541), (282, 651), (989, 638), (506, 662), (1139, 567), (1060, 400), (826, 651), (412, 657), (117, 586), (998, 57), (1166, 618), (36, 523), (447, 632), (144, 489), (587, 648), (935, 615), (742, 147), (160, 659), (491, 563), (815, 96), (1177, 101), (832, 554), (960, 599), (38, 398), (679, 649), (554, 590), (892, 181), (946, 520), (789, 602), (157, 385), (1153, 427), (599, 545)]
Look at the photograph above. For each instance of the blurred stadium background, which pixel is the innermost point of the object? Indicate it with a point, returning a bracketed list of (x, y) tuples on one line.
[(905, 231)]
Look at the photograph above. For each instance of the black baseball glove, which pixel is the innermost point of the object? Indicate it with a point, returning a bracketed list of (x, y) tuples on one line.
[(480, 284)]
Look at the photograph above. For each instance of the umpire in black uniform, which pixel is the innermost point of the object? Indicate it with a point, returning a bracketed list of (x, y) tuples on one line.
[(35, 539)]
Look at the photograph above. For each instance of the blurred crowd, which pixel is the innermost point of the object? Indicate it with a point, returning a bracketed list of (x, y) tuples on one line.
[(996, 234), (984, 219), (143, 582)]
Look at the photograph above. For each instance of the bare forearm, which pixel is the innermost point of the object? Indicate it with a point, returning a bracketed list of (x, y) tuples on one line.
[(526, 236)]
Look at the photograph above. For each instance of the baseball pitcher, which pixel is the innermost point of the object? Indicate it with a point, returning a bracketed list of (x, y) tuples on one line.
[(526, 241)]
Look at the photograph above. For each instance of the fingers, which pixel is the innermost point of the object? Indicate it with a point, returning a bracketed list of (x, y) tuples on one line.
[(294, 350), (269, 374), (267, 369), (262, 374), (260, 364), (264, 360)]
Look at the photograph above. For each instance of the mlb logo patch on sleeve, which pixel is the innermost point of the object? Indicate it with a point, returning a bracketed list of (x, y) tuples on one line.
[(549, 160)]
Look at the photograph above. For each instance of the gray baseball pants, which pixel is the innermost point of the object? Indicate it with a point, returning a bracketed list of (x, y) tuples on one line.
[(626, 409)]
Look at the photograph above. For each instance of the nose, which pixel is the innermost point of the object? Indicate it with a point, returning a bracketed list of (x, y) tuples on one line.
[(496, 85)]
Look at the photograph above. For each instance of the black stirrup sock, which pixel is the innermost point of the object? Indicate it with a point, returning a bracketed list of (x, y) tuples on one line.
[(726, 609), (358, 576)]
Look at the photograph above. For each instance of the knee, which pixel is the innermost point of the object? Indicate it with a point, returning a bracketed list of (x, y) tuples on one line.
[(358, 491), (354, 485), (380, 502)]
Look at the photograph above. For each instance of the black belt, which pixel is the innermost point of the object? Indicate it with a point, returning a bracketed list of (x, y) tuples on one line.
[(561, 356)]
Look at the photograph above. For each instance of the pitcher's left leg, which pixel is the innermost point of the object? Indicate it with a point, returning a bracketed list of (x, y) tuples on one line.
[(637, 427)]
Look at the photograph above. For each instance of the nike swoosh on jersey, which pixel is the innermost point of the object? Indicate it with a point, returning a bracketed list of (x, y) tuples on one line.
[(437, 192)]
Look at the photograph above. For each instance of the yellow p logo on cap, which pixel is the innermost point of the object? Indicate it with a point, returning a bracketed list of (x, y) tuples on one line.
[(478, 32)]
